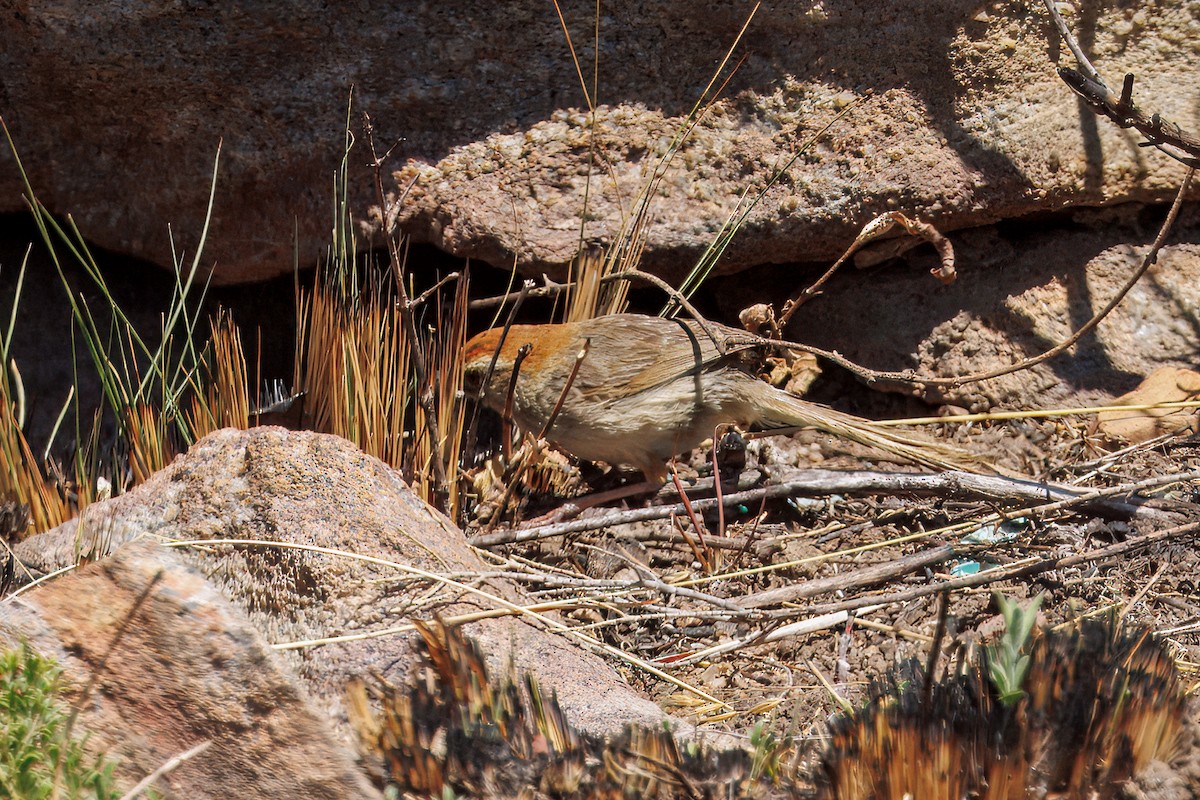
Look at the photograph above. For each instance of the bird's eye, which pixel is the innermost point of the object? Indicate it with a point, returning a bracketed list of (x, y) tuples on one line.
[(472, 379)]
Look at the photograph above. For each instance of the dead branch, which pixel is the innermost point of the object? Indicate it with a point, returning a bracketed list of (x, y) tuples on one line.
[(1166, 136), (772, 634), (910, 382), (873, 230), (432, 290), (468, 452), (552, 289), (674, 537), (548, 288), (859, 578), (169, 766), (424, 385), (819, 617), (674, 294), (1088, 84), (1024, 570), (647, 582), (816, 483), (562, 396), (1072, 44), (946, 271)]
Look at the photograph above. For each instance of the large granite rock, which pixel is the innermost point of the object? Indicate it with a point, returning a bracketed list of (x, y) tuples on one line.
[(117, 111), (207, 626), (161, 663)]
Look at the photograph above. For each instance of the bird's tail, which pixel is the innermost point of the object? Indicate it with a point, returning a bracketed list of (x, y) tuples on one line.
[(782, 410)]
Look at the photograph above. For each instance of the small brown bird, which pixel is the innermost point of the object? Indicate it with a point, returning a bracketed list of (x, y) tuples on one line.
[(651, 388)]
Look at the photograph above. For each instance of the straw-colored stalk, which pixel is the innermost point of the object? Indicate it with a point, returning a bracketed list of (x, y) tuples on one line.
[(444, 355), (150, 447), (588, 295), (354, 364), (21, 479), (223, 401), (356, 369)]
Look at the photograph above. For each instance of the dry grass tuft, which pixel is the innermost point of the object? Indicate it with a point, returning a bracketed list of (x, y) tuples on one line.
[(355, 369), (21, 479), (511, 739), (443, 354), (223, 398), (1101, 702)]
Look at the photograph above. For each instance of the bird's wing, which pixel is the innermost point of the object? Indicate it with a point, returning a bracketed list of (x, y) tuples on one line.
[(677, 348)]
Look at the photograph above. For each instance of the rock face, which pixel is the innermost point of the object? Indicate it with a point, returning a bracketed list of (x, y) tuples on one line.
[(269, 485), (966, 123), (177, 665), (1021, 290)]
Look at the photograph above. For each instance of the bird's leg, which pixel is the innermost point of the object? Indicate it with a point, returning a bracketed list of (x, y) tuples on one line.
[(655, 479), (576, 506)]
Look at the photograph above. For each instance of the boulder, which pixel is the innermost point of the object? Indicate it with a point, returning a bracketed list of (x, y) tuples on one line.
[(966, 122), (331, 543), (159, 663)]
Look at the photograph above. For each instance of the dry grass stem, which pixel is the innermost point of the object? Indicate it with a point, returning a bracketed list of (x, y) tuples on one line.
[(355, 371), (223, 399), (548, 623)]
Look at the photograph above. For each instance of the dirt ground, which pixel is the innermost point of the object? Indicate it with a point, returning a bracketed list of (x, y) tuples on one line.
[(790, 683)]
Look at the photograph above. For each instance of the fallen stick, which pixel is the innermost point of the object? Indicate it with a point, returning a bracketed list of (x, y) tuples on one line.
[(822, 616), (1000, 573), (815, 483), (867, 576)]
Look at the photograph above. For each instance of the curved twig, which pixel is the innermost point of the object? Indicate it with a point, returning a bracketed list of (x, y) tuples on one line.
[(918, 383)]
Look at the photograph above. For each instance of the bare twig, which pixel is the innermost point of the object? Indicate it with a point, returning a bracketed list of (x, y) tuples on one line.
[(686, 502), (946, 271), (506, 415), (873, 230), (169, 766), (420, 368), (1023, 570), (472, 428), (737, 544), (951, 484), (432, 290), (822, 616), (548, 289), (527, 453), (918, 383), (1088, 84), (675, 295), (671, 590), (935, 647), (646, 580), (1146, 587), (771, 634), (859, 578), (562, 396), (1067, 36), (1166, 136)]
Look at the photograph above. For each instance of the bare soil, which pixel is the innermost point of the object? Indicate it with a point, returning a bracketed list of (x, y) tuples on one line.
[(790, 683)]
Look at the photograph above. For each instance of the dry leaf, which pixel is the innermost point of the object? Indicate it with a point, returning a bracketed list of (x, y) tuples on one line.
[(1165, 385)]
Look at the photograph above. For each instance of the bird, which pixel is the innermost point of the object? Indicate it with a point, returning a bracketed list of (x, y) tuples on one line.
[(649, 388)]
